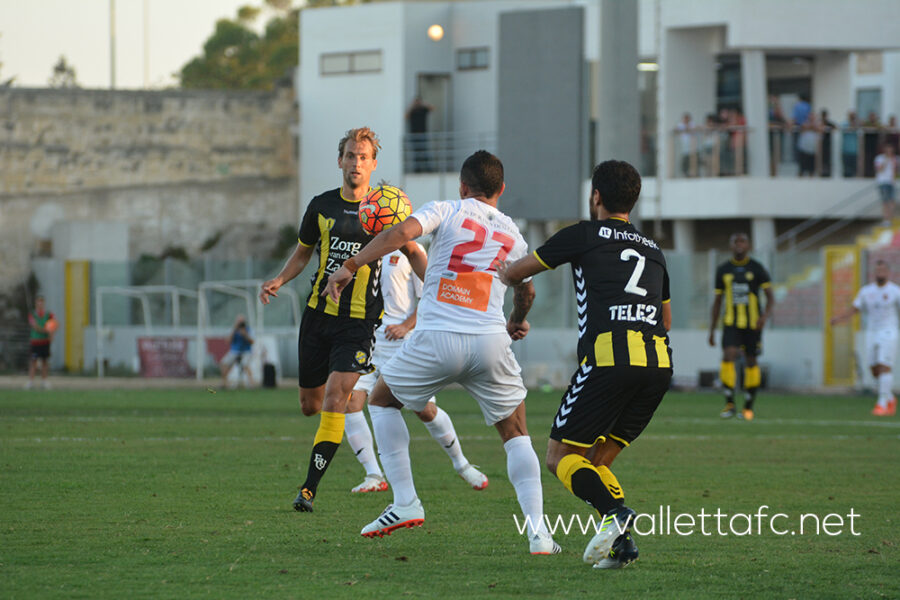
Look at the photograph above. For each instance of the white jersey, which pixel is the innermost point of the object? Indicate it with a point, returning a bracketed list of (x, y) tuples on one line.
[(462, 291), (880, 305), (400, 288)]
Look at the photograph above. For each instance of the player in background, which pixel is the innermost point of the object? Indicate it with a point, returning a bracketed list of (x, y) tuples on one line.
[(738, 283), (879, 301), (39, 342), (625, 362), (336, 334), (461, 336), (400, 290)]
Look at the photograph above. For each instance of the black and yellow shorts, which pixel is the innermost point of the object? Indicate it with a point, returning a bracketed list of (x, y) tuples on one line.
[(748, 340), (609, 402), (329, 344)]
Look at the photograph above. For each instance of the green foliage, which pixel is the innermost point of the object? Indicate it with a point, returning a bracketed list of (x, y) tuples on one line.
[(63, 75), (122, 493), (236, 57)]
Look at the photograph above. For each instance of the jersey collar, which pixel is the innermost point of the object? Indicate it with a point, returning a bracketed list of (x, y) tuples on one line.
[(740, 263), (345, 199), (619, 219)]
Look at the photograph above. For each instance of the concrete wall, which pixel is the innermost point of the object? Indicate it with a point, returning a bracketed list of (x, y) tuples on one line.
[(814, 24), (175, 167)]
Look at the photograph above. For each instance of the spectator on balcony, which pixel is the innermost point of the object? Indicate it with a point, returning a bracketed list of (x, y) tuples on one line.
[(850, 144), (892, 136), (738, 126), (827, 126), (777, 124), (685, 129), (807, 144), (871, 127), (417, 116), (799, 116), (885, 172), (708, 146)]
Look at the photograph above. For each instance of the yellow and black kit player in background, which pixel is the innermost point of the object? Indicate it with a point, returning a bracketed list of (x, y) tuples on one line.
[(738, 284)]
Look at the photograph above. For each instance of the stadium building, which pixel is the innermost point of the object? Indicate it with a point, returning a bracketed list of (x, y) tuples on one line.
[(553, 87)]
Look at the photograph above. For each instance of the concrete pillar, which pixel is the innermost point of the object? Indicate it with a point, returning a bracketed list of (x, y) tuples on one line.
[(753, 98), (683, 234), (618, 114), (762, 235)]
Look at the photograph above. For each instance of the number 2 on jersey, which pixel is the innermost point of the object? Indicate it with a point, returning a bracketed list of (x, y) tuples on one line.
[(456, 263), (632, 286)]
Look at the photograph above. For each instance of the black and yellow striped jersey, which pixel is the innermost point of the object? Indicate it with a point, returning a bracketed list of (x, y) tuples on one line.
[(740, 281), (621, 283), (331, 223)]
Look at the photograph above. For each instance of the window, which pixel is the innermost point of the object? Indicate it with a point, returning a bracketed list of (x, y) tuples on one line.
[(471, 58), (344, 63)]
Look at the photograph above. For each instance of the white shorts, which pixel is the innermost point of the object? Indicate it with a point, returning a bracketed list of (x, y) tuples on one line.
[(880, 347), (484, 365)]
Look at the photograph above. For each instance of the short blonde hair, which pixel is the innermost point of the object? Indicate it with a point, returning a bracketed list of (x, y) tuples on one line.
[(361, 134)]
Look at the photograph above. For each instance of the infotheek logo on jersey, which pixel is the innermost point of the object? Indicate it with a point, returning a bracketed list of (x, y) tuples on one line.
[(605, 232)]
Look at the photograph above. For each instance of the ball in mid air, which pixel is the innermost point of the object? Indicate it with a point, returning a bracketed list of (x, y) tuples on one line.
[(383, 207)]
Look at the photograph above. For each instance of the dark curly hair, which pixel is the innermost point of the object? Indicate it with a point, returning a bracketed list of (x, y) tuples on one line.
[(619, 185)]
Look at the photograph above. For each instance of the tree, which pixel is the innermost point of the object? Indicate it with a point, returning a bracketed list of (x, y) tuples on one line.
[(63, 75), (236, 57)]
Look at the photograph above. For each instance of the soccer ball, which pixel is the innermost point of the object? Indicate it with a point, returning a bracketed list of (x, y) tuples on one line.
[(384, 207), (51, 325)]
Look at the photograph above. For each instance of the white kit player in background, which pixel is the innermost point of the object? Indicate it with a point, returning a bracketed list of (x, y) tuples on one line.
[(461, 336), (880, 304), (400, 290)]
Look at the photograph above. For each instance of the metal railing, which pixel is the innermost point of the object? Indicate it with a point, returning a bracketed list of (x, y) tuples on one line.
[(816, 151), (444, 151)]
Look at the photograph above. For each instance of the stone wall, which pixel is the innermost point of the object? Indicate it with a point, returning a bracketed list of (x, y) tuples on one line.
[(178, 167)]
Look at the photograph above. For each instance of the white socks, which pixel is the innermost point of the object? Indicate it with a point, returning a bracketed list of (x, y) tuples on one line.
[(885, 382), (441, 429), (524, 472), (360, 439), (392, 438)]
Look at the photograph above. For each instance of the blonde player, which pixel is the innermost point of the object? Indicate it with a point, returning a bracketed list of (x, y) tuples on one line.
[(461, 336), (400, 290), (879, 302)]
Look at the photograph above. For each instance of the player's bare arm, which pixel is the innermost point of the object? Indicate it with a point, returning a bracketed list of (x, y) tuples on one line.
[(399, 330), (417, 257), (293, 267), (385, 242), (523, 298), (843, 316), (513, 273), (667, 315), (714, 318), (770, 305)]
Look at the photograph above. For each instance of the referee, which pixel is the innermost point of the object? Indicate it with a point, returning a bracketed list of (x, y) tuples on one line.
[(625, 362)]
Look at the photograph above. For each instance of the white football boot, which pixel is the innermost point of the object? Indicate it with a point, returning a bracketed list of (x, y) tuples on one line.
[(613, 525), (474, 477), (372, 483), (542, 543), (395, 517)]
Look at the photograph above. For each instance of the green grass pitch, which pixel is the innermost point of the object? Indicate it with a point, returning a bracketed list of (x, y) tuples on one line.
[(182, 494)]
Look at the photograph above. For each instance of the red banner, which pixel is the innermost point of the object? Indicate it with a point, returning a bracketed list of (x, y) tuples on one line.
[(164, 357)]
